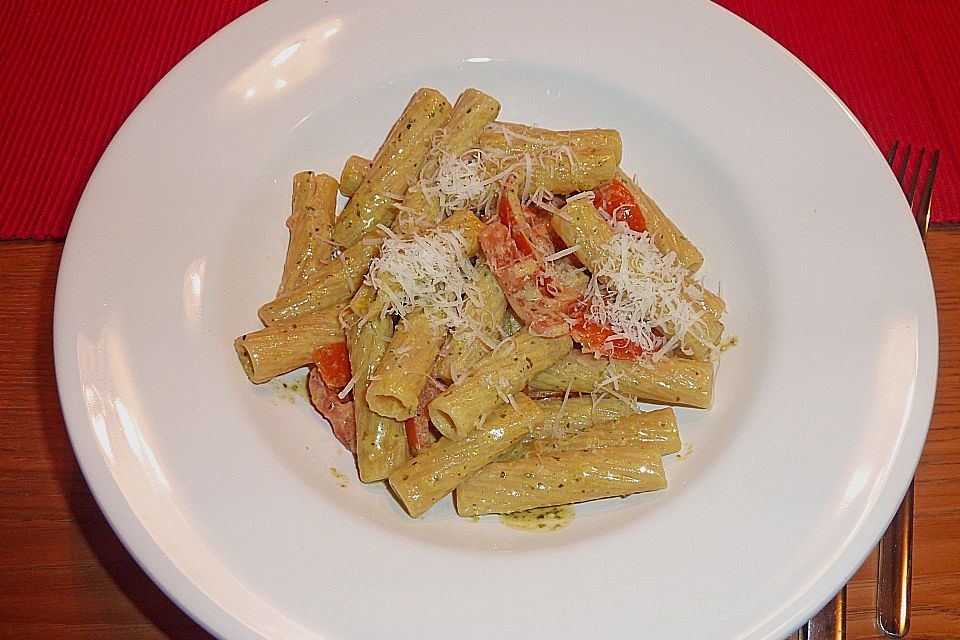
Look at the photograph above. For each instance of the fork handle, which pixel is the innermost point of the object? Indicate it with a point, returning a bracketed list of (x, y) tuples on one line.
[(830, 622), (893, 571)]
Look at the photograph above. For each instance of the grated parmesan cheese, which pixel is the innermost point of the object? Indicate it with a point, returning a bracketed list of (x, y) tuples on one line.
[(429, 272), (642, 294)]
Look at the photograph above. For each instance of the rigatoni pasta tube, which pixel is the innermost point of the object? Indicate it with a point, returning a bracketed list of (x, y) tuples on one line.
[(561, 417), (580, 224), (561, 478), (422, 481), (285, 346), (381, 441), (657, 427), (561, 162), (472, 111), (466, 348), (501, 374), (468, 226), (670, 380), (396, 164), (664, 232), (310, 223), (332, 284), (395, 387), (355, 169), (464, 224), (560, 175), (512, 138)]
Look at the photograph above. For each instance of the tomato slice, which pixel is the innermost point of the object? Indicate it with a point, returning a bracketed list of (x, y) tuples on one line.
[(595, 338), (530, 235), (333, 363), (616, 200), (544, 308)]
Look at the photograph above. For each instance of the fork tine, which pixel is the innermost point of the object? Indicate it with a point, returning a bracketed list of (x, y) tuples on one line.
[(923, 212), (893, 152), (903, 165), (913, 183)]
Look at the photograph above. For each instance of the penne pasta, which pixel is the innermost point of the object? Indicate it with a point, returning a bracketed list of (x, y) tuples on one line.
[(395, 165), (472, 112), (331, 285), (355, 169), (310, 223), (563, 417), (496, 378), (421, 482), (671, 380), (285, 346), (561, 478), (468, 226)]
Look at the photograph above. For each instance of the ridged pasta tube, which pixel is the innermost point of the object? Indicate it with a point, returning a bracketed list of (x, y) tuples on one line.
[(561, 478), (581, 225), (332, 284), (355, 169), (666, 235), (394, 390), (395, 165), (561, 417), (472, 111), (657, 427), (313, 212), (670, 380), (381, 441), (285, 346), (513, 138), (561, 162), (466, 348), (421, 482), (500, 375)]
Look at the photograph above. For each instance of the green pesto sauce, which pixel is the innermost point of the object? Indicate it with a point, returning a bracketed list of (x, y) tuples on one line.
[(729, 343), (342, 480), (289, 390), (544, 519), (685, 453)]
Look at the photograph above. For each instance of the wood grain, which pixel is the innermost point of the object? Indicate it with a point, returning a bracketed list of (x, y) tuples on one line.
[(64, 574)]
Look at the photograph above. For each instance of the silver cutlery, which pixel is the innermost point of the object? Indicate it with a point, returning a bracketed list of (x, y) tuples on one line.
[(895, 556), (895, 549)]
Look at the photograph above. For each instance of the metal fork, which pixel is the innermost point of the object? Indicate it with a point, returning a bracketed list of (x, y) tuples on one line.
[(896, 546), (893, 573)]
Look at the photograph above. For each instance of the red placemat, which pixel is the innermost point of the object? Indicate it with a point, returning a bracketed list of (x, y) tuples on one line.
[(73, 71), (894, 63)]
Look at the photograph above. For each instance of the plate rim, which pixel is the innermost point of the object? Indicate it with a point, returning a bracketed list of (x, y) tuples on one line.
[(209, 613)]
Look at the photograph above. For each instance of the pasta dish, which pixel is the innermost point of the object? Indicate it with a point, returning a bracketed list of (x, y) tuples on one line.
[(487, 311)]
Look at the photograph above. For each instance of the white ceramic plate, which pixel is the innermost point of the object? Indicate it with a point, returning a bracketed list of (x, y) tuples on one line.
[(224, 491)]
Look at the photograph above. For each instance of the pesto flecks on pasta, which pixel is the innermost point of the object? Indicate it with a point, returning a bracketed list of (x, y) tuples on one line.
[(488, 310)]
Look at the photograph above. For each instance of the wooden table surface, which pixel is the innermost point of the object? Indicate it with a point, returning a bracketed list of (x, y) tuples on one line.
[(64, 574)]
